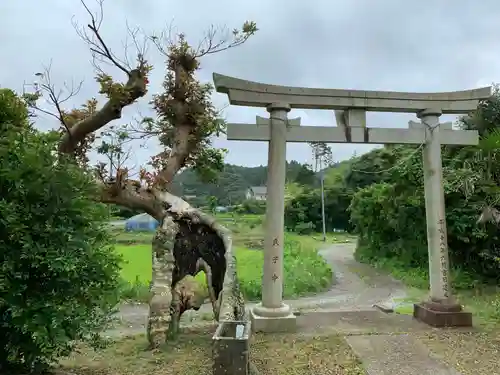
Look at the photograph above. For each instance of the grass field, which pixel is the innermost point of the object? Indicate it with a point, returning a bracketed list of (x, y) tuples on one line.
[(305, 271), (136, 264)]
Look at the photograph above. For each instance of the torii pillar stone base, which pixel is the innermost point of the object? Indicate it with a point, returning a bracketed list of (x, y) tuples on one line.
[(285, 323), (439, 315)]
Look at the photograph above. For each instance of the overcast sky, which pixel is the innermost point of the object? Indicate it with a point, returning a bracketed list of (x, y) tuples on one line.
[(426, 45)]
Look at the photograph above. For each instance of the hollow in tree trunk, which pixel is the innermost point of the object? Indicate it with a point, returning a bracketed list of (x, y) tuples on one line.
[(186, 242)]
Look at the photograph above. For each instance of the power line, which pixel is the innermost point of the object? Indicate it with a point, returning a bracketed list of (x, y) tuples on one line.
[(404, 160)]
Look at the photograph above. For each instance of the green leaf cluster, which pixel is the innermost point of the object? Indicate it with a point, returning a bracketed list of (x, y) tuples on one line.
[(58, 273)]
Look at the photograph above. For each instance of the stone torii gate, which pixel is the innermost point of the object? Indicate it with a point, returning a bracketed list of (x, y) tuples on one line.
[(350, 107)]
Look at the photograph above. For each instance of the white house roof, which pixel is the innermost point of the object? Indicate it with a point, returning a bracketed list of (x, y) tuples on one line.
[(259, 190)]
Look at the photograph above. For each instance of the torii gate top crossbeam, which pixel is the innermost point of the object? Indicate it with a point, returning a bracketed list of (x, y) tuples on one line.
[(255, 94)]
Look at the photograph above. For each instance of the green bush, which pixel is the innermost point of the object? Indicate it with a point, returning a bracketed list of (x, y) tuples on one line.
[(137, 291), (305, 271), (252, 221), (306, 208), (389, 218), (58, 274), (251, 206), (304, 228)]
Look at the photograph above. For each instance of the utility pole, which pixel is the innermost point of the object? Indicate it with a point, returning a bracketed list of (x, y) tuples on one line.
[(322, 155), (323, 204)]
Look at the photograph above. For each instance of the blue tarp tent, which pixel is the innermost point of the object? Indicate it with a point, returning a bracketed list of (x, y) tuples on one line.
[(141, 222)]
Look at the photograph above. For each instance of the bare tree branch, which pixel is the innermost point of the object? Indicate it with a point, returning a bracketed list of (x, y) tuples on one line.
[(113, 148), (112, 110), (229, 39), (119, 95), (142, 129), (141, 47), (95, 41), (216, 39), (55, 99), (165, 39)]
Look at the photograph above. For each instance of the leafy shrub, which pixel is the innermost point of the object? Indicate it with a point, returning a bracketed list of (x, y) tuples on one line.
[(251, 206), (135, 291), (254, 243), (252, 220), (58, 274), (306, 208), (305, 271), (304, 228), (389, 218)]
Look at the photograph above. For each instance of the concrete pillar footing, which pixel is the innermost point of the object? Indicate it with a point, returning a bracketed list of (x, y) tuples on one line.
[(441, 316), (272, 312), (273, 320)]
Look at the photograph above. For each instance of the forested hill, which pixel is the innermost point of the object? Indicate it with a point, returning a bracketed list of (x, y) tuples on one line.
[(234, 181)]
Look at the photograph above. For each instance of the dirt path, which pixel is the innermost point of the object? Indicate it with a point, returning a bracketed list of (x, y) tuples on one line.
[(356, 287)]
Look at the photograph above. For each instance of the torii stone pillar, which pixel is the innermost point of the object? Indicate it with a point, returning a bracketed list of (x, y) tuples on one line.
[(441, 310), (272, 315)]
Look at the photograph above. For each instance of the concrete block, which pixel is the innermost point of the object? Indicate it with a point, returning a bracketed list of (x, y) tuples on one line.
[(441, 318), (283, 324), (231, 348)]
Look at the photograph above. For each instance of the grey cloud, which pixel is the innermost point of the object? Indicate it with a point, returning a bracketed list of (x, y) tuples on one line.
[(438, 45)]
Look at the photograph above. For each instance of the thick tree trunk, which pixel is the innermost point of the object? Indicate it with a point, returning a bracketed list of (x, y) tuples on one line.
[(160, 304), (185, 240)]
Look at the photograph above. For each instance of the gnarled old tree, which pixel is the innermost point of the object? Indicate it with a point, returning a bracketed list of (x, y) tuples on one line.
[(187, 240)]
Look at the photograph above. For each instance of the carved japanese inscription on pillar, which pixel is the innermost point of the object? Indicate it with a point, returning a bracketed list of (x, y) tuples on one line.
[(442, 252)]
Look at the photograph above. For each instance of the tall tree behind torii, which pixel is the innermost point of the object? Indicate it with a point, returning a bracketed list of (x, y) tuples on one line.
[(187, 240)]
